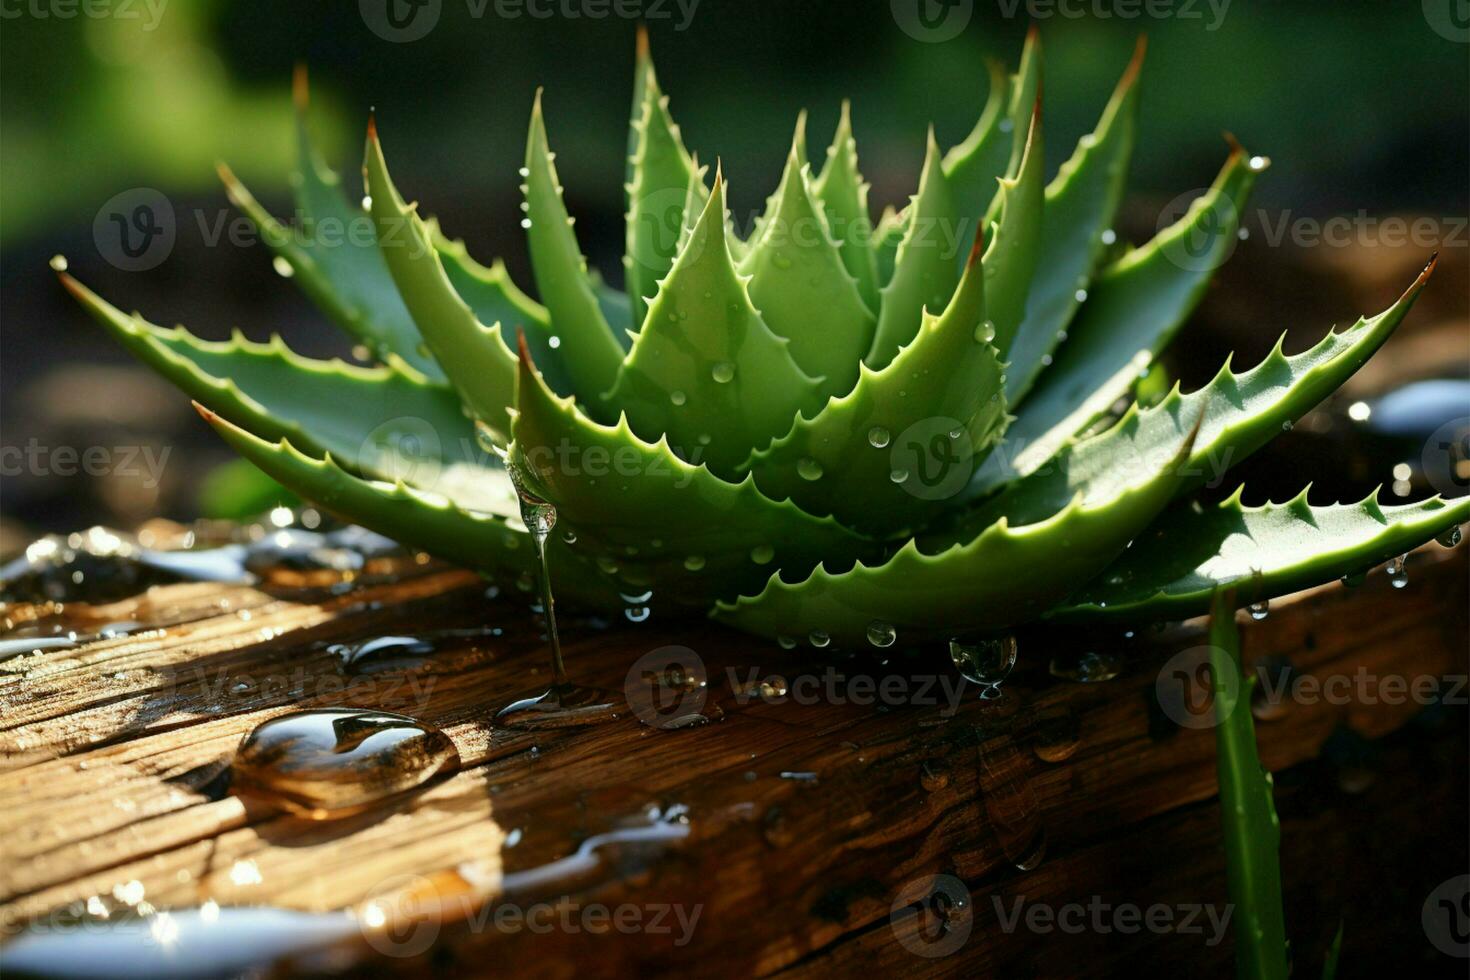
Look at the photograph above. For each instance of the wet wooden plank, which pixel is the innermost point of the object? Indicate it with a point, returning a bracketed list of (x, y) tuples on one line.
[(806, 815)]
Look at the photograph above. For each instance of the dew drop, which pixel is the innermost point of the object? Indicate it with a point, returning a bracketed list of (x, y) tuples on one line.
[(879, 437), (677, 397), (282, 267), (570, 537), (819, 638), (694, 562), (1449, 538), (1108, 237), (723, 372), (809, 469), (762, 554), (330, 763), (898, 476), (1398, 575), (58, 263), (1260, 610), (881, 634), (984, 662), (786, 642), (985, 333), (1080, 295)]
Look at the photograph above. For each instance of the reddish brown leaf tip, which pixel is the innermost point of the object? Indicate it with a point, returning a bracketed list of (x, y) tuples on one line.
[(372, 127), (523, 350), (641, 44), (70, 284), (977, 249), (205, 413), (300, 90), (1135, 65)]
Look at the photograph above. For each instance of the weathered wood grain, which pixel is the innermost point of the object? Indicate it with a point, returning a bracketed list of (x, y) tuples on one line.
[(805, 820)]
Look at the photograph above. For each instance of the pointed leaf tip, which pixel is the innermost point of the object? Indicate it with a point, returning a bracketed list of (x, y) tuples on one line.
[(300, 90), (641, 42), (522, 350), (372, 127), (204, 413)]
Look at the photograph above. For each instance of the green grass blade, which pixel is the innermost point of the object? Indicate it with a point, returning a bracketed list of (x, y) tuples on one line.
[(1252, 831)]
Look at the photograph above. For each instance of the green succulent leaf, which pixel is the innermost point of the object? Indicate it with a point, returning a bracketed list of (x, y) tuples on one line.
[(637, 505), (479, 364), (974, 165), (905, 439), (886, 236), (844, 196), (1081, 203), (802, 288), (1132, 312), (385, 421), (495, 543), (1261, 552), (575, 305), (333, 254), (493, 297), (924, 269), (1008, 574), (1238, 413), (660, 175), (1010, 261), (705, 369), (1252, 831)]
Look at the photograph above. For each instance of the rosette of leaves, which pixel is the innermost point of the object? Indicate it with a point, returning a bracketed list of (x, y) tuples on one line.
[(826, 426)]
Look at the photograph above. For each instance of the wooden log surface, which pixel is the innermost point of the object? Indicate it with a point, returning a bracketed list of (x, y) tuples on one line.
[(794, 833)]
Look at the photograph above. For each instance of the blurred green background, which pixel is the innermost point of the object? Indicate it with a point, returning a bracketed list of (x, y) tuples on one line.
[(1361, 105)]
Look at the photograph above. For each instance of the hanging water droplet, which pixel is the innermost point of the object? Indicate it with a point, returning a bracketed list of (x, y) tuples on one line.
[(1108, 237), (1449, 538), (984, 662), (1398, 575), (898, 476), (330, 763), (58, 263), (985, 333), (282, 267), (761, 554), (786, 642), (1260, 610), (570, 537), (694, 562), (808, 468), (819, 638), (723, 372), (879, 437), (881, 634), (1286, 426), (367, 202), (677, 397), (1080, 295)]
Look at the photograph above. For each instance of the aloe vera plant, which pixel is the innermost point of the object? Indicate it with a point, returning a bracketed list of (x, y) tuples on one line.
[(827, 426)]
